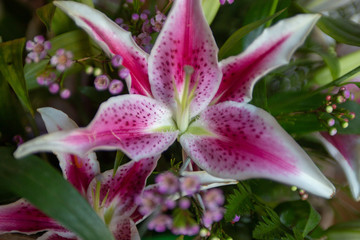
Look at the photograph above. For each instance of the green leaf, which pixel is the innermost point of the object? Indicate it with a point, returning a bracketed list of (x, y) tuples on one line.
[(270, 227), (61, 23), (233, 45), (348, 230), (210, 9), (331, 61), (298, 214), (296, 116), (342, 30), (239, 202), (46, 189), (46, 14), (11, 68), (10, 111), (346, 64), (300, 123)]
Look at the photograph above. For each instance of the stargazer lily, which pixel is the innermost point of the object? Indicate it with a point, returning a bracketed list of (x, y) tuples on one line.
[(180, 91), (113, 197)]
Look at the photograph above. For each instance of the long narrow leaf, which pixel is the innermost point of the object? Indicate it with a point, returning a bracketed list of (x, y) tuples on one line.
[(11, 68)]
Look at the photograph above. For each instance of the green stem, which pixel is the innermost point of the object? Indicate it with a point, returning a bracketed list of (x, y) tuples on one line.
[(272, 12), (336, 83)]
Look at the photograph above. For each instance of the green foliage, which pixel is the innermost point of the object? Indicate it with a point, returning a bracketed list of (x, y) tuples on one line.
[(298, 214), (46, 14), (210, 8), (270, 227), (45, 188), (239, 202), (330, 59), (342, 30), (347, 230), (233, 45), (11, 70)]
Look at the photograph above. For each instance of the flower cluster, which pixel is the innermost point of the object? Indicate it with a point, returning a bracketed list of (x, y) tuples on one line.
[(172, 196), (62, 60), (38, 49), (337, 113)]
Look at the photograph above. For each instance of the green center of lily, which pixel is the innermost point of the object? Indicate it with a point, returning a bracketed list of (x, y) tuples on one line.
[(182, 115), (105, 214)]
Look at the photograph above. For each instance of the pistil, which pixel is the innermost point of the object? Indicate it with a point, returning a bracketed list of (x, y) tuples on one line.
[(183, 103)]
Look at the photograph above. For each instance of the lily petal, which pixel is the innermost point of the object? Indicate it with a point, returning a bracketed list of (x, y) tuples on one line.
[(78, 171), (122, 190), (345, 148), (138, 125), (113, 40), (21, 216), (185, 39), (55, 236), (273, 48), (208, 181), (240, 141), (124, 229)]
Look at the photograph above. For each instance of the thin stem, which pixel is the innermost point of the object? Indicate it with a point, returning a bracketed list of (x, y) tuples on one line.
[(272, 12)]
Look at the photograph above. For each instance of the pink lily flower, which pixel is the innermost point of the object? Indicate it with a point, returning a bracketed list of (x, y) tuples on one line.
[(113, 197), (180, 91)]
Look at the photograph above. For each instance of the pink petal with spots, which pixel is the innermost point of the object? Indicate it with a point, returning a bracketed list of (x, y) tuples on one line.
[(185, 39), (241, 141), (113, 40), (78, 171), (124, 229), (273, 48), (123, 190), (138, 125), (22, 217), (345, 150)]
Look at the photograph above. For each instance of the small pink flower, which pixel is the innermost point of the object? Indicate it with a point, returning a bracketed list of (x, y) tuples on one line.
[(235, 219), (184, 203), (213, 199), (37, 49), (158, 21), (189, 230), (168, 183), (222, 2), (116, 61), (124, 73), (101, 82), (190, 185), (148, 202), (46, 78), (62, 60), (65, 93), (54, 88), (160, 223), (135, 16), (18, 140), (116, 86)]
